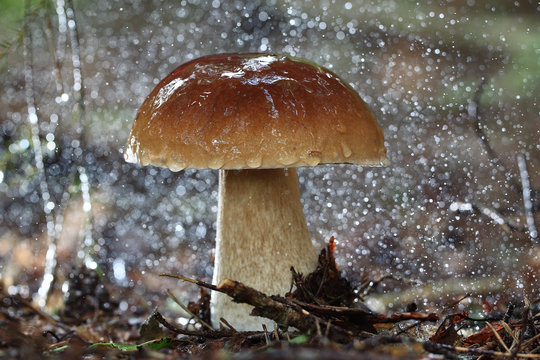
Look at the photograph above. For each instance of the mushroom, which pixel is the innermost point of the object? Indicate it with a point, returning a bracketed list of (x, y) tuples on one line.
[(255, 117)]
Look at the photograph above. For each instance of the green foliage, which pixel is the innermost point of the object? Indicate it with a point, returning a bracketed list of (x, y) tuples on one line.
[(520, 78), (155, 344), (300, 339), (12, 16), (11, 10)]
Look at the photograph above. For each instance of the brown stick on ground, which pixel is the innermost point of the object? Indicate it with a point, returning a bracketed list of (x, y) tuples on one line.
[(209, 334), (279, 312)]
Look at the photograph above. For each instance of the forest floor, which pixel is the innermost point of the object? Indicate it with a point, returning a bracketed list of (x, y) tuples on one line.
[(329, 321)]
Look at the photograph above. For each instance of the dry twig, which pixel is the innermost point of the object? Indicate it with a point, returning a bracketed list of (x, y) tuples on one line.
[(185, 308)]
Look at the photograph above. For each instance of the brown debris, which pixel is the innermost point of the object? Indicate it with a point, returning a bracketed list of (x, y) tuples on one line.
[(282, 310), (309, 308), (447, 333), (325, 285), (307, 329), (201, 308), (84, 295)]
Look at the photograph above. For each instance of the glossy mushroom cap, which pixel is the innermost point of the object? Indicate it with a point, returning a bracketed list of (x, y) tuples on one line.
[(242, 111)]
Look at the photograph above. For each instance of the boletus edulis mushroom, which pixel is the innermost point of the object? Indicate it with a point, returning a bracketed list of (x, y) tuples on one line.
[(255, 117)]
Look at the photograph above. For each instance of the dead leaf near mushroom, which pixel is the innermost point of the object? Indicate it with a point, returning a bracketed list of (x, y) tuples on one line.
[(325, 285)]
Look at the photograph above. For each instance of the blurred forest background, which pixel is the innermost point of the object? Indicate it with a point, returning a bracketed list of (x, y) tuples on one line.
[(455, 85)]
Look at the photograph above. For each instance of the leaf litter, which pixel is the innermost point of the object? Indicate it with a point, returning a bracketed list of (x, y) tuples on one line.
[(322, 317)]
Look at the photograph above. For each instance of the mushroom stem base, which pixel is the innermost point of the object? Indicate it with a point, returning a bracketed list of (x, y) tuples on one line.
[(261, 233)]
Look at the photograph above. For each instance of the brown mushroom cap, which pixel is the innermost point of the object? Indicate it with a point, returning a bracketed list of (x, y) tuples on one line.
[(237, 111)]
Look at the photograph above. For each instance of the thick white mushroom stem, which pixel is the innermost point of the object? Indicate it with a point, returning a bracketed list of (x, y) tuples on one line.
[(261, 233)]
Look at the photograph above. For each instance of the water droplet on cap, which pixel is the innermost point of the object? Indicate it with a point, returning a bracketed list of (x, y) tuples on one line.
[(347, 152), (341, 128), (314, 157), (216, 163), (144, 159), (176, 165), (288, 161), (254, 162)]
